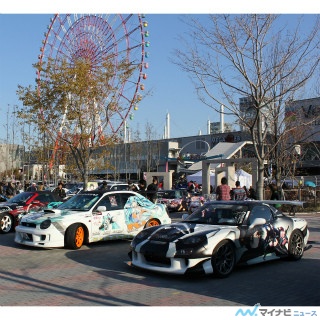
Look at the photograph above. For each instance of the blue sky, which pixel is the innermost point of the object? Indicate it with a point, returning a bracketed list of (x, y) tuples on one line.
[(22, 31), (171, 91)]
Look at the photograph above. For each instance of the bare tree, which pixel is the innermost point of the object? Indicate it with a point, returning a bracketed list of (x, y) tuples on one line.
[(234, 56)]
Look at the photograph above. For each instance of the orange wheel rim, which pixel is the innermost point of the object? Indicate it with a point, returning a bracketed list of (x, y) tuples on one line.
[(79, 237), (153, 223)]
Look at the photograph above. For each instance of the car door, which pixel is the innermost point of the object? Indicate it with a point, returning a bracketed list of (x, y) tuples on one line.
[(112, 220), (256, 232)]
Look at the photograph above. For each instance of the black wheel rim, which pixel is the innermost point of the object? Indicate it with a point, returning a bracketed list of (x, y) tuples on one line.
[(224, 260), (297, 244)]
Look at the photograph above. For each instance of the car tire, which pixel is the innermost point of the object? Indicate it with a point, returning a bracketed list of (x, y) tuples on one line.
[(74, 237), (223, 259), (6, 222), (296, 245), (152, 223)]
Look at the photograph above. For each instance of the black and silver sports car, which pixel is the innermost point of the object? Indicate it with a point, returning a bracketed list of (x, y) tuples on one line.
[(218, 236)]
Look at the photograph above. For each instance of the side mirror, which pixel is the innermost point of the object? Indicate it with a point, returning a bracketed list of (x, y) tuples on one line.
[(101, 208), (36, 202), (257, 221)]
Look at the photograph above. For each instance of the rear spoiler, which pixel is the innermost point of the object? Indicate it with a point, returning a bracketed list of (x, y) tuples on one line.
[(288, 202)]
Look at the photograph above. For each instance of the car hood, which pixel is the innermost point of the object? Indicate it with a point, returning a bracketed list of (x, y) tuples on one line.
[(52, 214), (179, 230)]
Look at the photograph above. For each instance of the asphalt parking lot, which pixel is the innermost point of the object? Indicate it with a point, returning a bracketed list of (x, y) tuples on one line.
[(98, 275)]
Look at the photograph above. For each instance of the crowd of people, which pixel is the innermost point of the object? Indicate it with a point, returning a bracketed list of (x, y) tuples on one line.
[(150, 191), (224, 192), (10, 189)]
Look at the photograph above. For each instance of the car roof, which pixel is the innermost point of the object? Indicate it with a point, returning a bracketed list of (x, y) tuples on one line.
[(98, 191)]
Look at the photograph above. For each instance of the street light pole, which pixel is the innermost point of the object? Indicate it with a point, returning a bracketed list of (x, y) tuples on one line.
[(8, 149)]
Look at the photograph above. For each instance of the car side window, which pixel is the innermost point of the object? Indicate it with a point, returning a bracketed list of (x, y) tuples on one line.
[(125, 197), (111, 202), (105, 202), (260, 212)]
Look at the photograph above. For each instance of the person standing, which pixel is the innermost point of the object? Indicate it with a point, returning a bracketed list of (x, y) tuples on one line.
[(2, 189), (10, 190), (60, 191), (132, 186), (252, 193), (142, 186), (238, 193), (33, 187), (223, 190), (40, 186), (275, 194), (104, 186), (152, 190)]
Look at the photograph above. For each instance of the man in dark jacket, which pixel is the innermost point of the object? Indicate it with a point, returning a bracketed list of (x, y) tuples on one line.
[(152, 190), (60, 191)]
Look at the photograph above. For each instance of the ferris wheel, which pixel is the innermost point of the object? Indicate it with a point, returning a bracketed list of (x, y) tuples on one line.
[(97, 37)]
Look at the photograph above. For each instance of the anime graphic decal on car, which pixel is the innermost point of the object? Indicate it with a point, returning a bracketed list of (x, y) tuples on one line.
[(108, 223), (267, 238), (134, 212)]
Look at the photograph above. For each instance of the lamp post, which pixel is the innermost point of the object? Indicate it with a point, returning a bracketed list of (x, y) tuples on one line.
[(296, 154)]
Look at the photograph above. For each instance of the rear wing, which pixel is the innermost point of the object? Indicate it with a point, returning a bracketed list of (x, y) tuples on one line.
[(287, 202)]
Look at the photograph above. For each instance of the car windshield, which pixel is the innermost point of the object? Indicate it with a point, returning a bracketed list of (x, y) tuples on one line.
[(81, 202), (21, 197), (219, 214)]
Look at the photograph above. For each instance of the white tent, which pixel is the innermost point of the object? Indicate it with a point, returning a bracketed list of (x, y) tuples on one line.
[(244, 177), (197, 177)]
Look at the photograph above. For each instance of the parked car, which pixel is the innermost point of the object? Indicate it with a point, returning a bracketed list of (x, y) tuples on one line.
[(12, 209), (220, 235), (195, 202), (3, 198), (172, 198), (117, 186), (91, 216)]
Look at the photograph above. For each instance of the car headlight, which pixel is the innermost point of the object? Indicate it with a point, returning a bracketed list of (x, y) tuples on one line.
[(45, 224), (193, 240), (191, 245)]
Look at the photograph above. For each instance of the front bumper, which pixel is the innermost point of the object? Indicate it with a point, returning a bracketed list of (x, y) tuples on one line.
[(49, 238), (178, 266)]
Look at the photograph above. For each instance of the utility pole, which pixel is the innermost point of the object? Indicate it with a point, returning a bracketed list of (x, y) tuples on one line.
[(8, 149), (12, 150)]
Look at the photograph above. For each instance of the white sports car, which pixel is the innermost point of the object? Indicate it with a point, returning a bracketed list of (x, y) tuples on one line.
[(90, 216), (218, 236)]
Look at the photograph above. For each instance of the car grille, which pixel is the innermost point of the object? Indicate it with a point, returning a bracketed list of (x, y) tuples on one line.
[(28, 224), (157, 260)]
